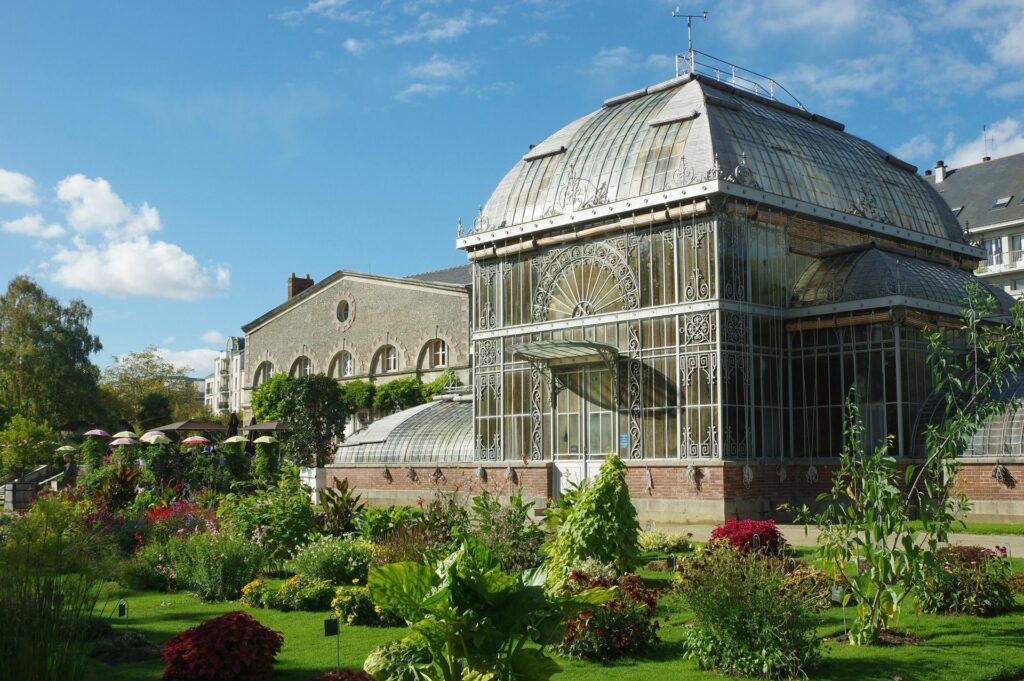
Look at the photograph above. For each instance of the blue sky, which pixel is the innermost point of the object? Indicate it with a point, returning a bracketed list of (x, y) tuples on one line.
[(171, 163)]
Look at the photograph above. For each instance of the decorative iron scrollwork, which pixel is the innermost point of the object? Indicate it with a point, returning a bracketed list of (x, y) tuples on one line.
[(615, 288), (482, 223), (704, 448), (698, 328), (536, 418), (488, 352), (893, 284), (866, 206), (634, 382), (737, 328), (742, 174), (705, 362)]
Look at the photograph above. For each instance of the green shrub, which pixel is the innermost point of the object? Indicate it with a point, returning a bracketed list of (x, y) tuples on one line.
[(266, 462), (302, 592), (602, 524), (215, 567), (278, 518), (507, 530), (747, 620), (399, 394), (353, 605), (661, 542), (335, 559), (968, 580), (339, 509), (375, 522), (257, 594), (151, 568)]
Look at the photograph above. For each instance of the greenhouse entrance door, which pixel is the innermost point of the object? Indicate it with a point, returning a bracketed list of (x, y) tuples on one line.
[(585, 423)]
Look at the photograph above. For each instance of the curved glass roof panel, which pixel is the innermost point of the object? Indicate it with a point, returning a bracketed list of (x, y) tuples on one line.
[(874, 273), (673, 134), (1000, 435), (438, 431)]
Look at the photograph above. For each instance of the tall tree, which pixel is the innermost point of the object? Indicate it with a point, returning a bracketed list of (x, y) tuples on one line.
[(144, 381), (316, 414), (46, 372), (266, 399)]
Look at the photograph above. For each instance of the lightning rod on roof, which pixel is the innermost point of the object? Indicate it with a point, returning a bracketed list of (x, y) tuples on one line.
[(689, 36)]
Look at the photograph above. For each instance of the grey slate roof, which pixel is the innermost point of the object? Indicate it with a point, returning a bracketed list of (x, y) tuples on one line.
[(671, 134), (976, 187), (460, 274), (865, 273), (438, 431)]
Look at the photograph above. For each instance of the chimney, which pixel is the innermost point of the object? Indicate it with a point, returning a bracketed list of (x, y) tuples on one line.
[(297, 285), (928, 173), (986, 159), (940, 171)]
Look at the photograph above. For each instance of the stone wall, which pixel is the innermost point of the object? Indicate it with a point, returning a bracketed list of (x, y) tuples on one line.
[(382, 311)]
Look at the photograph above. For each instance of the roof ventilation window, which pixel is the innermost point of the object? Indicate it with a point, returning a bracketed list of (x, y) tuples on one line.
[(1003, 202), (957, 211)]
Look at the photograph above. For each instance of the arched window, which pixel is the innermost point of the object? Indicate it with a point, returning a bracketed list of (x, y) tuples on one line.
[(342, 366), (263, 374), (301, 367), (438, 350), (386, 360)]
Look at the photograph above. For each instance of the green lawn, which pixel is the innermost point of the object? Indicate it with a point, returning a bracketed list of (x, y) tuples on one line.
[(1016, 529), (953, 648)]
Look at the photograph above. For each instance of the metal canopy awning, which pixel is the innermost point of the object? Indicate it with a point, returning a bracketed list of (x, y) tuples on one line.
[(546, 356), (560, 352)]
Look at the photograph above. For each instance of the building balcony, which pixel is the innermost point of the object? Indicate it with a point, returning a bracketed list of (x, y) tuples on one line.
[(998, 263)]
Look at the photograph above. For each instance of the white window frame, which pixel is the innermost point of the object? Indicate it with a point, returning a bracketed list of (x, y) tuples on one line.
[(438, 354), (390, 359)]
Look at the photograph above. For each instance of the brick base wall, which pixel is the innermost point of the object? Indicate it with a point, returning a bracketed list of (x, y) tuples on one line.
[(672, 493)]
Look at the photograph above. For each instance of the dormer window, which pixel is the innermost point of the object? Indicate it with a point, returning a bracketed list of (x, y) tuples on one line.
[(1003, 202)]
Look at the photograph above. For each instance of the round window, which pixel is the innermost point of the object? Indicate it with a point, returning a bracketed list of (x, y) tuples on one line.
[(343, 311)]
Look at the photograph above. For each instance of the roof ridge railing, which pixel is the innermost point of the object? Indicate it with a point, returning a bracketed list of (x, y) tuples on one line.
[(735, 75)]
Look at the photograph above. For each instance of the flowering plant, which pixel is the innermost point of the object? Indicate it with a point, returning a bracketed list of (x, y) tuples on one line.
[(232, 646), (353, 605), (750, 535), (256, 594), (302, 592), (968, 580), (621, 626)]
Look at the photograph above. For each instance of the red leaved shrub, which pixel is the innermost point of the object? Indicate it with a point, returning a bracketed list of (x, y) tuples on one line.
[(232, 647), (622, 626), (750, 535), (344, 675)]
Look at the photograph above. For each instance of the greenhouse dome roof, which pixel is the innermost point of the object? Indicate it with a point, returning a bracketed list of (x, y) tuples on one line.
[(693, 129)]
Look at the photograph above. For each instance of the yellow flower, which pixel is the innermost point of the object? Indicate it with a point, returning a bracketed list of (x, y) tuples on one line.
[(350, 618), (377, 609), (355, 580)]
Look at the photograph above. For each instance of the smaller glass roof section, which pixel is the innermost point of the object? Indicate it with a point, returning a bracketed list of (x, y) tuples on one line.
[(436, 432), (870, 272), (565, 352), (1002, 434), (1002, 202)]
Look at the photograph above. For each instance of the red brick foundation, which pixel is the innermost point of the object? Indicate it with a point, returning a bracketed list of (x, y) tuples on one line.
[(673, 493)]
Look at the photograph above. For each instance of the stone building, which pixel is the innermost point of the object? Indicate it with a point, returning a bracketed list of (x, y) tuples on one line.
[(987, 199), (353, 325), (693, 277)]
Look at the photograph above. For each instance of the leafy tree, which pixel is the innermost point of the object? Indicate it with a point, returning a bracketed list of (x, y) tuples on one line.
[(602, 524), (265, 463), (447, 379), (867, 539), (154, 410), (45, 369), (25, 443), (316, 415), (358, 395), (399, 394), (136, 378), (266, 399)]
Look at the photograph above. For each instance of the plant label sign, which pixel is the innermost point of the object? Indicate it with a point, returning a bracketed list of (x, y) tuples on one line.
[(837, 593), (331, 627)]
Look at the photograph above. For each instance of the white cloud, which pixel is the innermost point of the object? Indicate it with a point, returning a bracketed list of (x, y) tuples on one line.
[(919, 147), (212, 337), (426, 89), (357, 47), (536, 38), (93, 206), (611, 62), (137, 267), (847, 76), (33, 226), (196, 361), (612, 58), (440, 68), (1005, 138), (433, 28), (1009, 49), (336, 10), (17, 188)]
